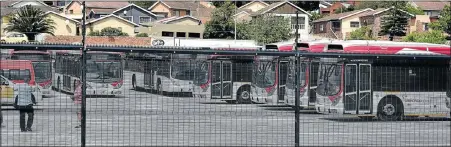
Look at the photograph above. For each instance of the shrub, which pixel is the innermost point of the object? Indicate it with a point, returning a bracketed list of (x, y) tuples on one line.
[(142, 35), (435, 37), (362, 33)]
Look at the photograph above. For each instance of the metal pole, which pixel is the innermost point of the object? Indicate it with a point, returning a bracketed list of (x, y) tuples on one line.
[(234, 20), (83, 80), (297, 91)]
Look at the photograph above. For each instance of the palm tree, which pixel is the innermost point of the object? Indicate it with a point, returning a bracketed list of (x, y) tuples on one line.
[(30, 21)]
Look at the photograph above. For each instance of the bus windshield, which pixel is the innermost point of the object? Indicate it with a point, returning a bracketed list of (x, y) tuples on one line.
[(291, 78), (42, 71), (16, 74), (182, 70), (265, 75), (329, 79), (30, 56), (201, 72), (448, 90), (103, 71)]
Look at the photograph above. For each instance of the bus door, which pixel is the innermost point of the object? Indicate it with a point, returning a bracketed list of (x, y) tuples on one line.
[(283, 72), (149, 74), (313, 78), (222, 85), (357, 97)]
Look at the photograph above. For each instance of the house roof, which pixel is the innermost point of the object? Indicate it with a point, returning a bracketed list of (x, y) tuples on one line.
[(434, 5), (343, 15), (186, 5), (102, 11), (136, 6), (8, 10), (248, 11), (278, 4), (111, 15), (325, 3), (381, 10), (62, 16), (260, 1), (102, 4), (170, 19)]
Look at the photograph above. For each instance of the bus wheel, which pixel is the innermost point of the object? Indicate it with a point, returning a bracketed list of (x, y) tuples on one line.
[(134, 82), (390, 109), (244, 95)]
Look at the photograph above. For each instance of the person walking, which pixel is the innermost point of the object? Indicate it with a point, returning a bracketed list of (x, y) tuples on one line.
[(24, 103), (77, 101)]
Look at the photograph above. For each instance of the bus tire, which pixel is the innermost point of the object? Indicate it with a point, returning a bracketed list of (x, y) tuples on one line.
[(134, 82), (244, 95), (390, 109)]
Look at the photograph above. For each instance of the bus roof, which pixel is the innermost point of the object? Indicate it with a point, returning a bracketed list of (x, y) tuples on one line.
[(31, 51), (16, 64), (386, 47), (89, 52)]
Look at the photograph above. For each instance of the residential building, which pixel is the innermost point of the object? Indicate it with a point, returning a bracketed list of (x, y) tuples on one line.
[(288, 10), (198, 9), (244, 12), (373, 20), (420, 23), (181, 27), (431, 8), (339, 25), (64, 25), (111, 21), (135, 14), (74, 10)]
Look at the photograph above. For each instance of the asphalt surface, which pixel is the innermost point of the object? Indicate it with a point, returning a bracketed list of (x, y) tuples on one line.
[(140, 118)]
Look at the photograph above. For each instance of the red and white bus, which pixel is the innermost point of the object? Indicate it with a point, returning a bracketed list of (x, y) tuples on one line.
[(307, 78), (269, 76), (104, 73), (42, 63), (16, 71), (224, 77), (386, 89)]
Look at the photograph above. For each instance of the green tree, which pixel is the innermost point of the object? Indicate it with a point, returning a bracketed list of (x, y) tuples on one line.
[(395, 22), (343, 9), (363, 33), (244, 31), (434, 36), (30, 21), (315, 16), (143, 4), (380, 4), (413, 10), (269, 29), (142, 35), (108, 31), (444, 23), (221, 24)]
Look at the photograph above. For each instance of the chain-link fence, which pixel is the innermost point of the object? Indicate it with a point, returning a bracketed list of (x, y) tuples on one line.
[(163, 96)]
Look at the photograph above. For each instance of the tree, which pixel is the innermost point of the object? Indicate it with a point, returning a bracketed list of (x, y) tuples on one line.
[(395, 22), (343, 9), (413, 10), (269, 29), (363, 33), (143, 4), (142, 35), (444, 22), (315, 16), (108, 31), (380, 4), (307, 5), (221, 24), (236, 3), (434, 36), (30, 21)]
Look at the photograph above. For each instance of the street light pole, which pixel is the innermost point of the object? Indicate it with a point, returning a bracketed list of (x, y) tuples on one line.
[(297, 91), (83, 80)]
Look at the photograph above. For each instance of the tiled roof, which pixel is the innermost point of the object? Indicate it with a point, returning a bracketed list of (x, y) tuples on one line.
[(270, 7), (187, 5), (111, 4), (103, 11), (431, 5), (373, 12), (341, 15), (169, 19)]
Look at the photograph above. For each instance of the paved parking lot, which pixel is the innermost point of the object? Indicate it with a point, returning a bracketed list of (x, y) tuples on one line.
[(140, 118)]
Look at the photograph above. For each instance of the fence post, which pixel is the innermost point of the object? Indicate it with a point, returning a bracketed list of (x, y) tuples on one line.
[(83, 80), (297, 91)]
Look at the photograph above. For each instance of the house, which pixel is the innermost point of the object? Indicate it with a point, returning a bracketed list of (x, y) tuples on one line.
[(431, 8), (74, 10), (181, 27), (419, 23), (57, 3), (18, 4), (64, 25), (288, 10), (244, 12), (334, 7), (111, 21), (373, 19), (198, 9), (339, 25), (135, 14)]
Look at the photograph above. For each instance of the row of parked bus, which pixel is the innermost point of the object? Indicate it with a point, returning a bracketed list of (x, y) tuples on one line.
[(388, 89), (60, 70)]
